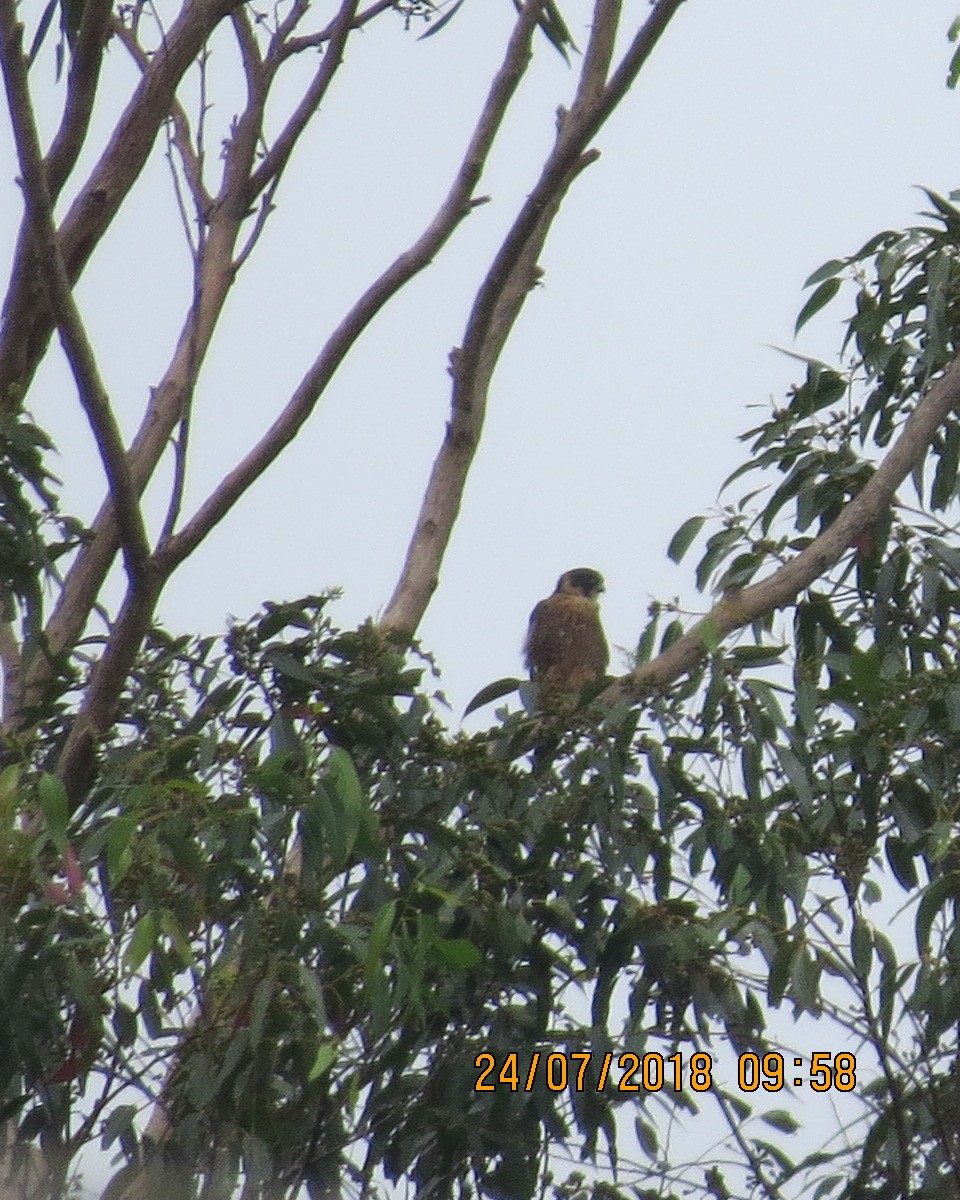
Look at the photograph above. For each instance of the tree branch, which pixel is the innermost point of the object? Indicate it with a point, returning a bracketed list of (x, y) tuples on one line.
[(27, 319), (215, 272), (780, 589), (79, 353), (456, 206), (499, 300), (192, 168), (279, 153), (311, 41), (82, 80), (599, 52)]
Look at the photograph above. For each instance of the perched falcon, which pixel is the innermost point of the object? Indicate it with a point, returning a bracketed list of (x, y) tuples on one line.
[(565, 647)]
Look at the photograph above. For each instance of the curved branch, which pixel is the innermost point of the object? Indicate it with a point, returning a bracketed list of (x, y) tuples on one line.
[(780, 589)]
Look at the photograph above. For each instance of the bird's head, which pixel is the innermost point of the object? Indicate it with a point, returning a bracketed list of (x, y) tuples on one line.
[(581, 581)]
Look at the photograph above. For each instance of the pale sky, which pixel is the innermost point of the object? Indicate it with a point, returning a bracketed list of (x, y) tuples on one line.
[(761, 140)]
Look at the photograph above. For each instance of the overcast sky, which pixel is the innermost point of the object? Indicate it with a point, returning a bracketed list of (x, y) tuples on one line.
[(761, 140)]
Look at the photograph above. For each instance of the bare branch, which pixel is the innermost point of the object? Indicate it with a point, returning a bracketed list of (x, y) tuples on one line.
[(456, 206), (286, 27), (314, 40), (82, 82), (27, 319), (444, 491), (599, 52), (279, 153), (90, 388), (181, 138), (632, 63), (499, 300), (782, 588)]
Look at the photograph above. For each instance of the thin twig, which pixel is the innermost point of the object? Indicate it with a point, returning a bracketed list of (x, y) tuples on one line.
[(314, 40), (278, 155)]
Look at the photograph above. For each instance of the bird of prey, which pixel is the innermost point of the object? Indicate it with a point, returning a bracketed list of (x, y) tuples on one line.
[(565, 648)]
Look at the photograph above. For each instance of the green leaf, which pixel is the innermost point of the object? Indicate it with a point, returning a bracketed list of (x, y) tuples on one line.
[(756, 656), (779, 1118), (42, 29), (829, 269), (822, 295), (325, 1058), (953, 70), (647, 639), (945, 480), (438, 25), (55, 806), (934, 897), (492, 691), (143, 940), (171, 927), (901, 862), (647, 1137), (783, 1161), (457, 952), (861, 945), (119, 852), (681, 540), (380, 935), (797, 775), (344, 782), (780, 970)]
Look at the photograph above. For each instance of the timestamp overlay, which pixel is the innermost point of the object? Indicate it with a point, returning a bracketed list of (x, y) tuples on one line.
[(821, 1071)]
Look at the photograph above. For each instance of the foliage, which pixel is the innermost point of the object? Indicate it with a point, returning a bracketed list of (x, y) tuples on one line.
[(447, 904), (298, 934)]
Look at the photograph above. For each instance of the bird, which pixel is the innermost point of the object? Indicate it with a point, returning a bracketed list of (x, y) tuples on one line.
[(565, 648)]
